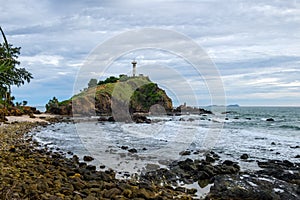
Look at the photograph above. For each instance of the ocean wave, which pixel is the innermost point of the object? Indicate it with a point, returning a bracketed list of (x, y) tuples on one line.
[(290, 127)]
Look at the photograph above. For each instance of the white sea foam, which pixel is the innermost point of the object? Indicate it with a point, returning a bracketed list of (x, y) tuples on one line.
[(165, 139)]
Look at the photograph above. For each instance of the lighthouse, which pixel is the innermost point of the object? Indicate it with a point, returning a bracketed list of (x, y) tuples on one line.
[(133, 68)]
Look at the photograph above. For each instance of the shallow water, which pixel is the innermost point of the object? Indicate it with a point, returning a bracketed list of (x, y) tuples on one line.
[(245, 131)]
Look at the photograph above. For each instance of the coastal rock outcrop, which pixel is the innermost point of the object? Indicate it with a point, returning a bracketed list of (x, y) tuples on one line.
[(120, 99)]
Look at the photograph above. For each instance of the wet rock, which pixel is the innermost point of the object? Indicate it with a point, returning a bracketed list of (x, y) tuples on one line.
[(228, 162), (102, 119), (88, 158), (297, 156), (270, 120), (185, 153), (152, 167), (278, 164), (249, 186), (244, 156), (273, 143), (209, 159), (111, 119), (133, 150), (91, 167), (124, 147), (203, 182), (82, 164), (137, 118)]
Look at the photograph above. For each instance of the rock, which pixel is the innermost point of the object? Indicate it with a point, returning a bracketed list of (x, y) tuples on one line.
[(297, 156), (137, 118), (191, 191), (270, 120), (88, 158), (111, 119), (185, 153), (102, 119), (111, 193), (209, 159), (152, 167), (124, 147), (249, 186), (133, 150), (12, 149), (82, 164), (127, 193), (191, 120), (278, 164), (102, 166), (228, 162), (145, 194), (273, 143), (244, 156), (91, 167), (203, 182)]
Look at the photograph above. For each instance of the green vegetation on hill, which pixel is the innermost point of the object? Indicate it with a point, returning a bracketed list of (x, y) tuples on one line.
[(136, 94), (148, 95)]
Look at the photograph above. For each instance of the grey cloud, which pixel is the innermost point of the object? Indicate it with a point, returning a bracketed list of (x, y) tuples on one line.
[(240, 36)]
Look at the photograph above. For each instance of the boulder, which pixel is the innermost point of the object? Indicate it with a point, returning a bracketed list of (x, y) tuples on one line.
[(137, 118), (244, 156), (270, 120), (88, 158)]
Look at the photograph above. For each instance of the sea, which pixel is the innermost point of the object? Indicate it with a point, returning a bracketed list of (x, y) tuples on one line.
[(132, 148)]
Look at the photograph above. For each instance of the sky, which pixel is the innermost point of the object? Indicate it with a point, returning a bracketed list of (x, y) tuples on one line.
[(255, 46)]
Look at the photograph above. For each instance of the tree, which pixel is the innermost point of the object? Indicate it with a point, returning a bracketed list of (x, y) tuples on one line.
[(52, 106), (111, 79), (92, 83), (9, 73)]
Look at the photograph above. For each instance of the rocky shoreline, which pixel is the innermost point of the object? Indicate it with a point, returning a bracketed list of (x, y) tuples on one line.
[(29, 171)]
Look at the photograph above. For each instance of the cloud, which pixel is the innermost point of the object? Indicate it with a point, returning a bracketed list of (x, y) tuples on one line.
[(42, 59), (253, 43)]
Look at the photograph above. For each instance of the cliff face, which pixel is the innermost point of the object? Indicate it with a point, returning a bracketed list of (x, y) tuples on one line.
[(120, 98)]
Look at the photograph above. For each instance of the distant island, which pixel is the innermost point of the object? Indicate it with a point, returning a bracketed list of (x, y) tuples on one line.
[(233, 106), (229, 106)]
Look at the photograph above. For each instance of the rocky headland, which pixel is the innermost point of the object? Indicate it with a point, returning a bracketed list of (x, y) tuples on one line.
[(119, 99)]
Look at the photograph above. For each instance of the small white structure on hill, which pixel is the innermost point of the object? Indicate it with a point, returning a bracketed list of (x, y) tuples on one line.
[(133, 68)]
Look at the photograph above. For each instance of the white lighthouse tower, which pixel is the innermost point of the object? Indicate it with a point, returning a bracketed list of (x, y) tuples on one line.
[(133, 68)]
